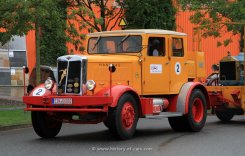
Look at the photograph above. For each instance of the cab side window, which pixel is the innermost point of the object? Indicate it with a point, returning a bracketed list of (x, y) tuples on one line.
[(177, 47), (156, 46)]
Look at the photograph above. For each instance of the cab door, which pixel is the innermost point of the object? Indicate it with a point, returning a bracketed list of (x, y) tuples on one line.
[(178, 63), (155, 69)]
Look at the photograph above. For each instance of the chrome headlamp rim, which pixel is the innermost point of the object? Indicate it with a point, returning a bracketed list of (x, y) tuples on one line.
[(49, 83), (90, 85)]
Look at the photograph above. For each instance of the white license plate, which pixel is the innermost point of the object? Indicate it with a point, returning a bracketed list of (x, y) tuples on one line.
[(62, 101)]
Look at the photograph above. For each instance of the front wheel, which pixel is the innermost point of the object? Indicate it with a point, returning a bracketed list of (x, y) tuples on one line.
[(44, 125), (123, 119)]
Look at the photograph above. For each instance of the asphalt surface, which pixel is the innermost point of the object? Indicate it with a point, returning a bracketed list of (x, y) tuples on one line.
[(153, 137)]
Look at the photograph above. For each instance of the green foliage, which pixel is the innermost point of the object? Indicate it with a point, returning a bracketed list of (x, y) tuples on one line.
[(20, 16), (214, 16), (91, 16), (53, 36), (150, 14), (14, 16)]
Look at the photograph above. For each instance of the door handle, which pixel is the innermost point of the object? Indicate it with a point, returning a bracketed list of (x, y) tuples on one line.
[(167, 63)]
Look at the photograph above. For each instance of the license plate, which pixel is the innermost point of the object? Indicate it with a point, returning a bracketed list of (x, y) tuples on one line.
[(62, 101)]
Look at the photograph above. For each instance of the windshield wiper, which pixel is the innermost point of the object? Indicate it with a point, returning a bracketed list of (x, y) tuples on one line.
[(121, 42), (96, 43)]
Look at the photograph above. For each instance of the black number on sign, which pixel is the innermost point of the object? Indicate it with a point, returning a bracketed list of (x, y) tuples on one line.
[(39, 91), (177, 70)]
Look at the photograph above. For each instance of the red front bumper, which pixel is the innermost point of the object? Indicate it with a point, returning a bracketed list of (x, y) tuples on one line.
[(79, 103)]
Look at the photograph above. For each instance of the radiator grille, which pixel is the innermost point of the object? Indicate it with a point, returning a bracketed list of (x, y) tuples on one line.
[(71, 74)]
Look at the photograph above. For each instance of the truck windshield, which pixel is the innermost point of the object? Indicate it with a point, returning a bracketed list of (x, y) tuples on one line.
[(115, 44)]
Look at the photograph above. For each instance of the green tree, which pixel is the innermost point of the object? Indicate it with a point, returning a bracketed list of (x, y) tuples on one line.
[(150, 14), (215, 15), (18, 17), (92, 15), (53, 35)]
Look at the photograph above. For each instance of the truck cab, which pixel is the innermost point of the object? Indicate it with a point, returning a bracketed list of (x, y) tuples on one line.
[(124, 75)]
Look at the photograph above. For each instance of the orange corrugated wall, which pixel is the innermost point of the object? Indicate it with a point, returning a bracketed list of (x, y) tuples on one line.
[(209, 45), (31, 49)]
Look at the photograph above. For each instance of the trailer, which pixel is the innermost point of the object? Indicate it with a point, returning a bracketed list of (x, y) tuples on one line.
[(226, 89)]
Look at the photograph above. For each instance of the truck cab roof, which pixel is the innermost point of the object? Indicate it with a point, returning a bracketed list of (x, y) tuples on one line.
[(139, 31)]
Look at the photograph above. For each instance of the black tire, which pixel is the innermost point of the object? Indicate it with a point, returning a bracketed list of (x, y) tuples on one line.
[(45, 126), (115, 120), (178, 124), (195, 120), (225, 115), (106, 124)]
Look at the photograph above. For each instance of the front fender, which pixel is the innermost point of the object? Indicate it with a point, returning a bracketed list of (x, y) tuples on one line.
[(40, 90), (116, 92)]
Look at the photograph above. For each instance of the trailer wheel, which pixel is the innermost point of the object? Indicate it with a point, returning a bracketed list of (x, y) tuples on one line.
[(196, 117), (123, 119), (45, 126), (225, 115)]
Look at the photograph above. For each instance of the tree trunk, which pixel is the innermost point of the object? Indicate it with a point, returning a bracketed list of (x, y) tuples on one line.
[(102, 15)]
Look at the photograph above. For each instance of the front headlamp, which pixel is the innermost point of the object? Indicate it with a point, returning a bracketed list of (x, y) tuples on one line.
[(48, 84), (90, 85)]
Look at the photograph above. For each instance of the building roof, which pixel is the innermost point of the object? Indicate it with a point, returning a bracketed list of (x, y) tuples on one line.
[(139, 31)]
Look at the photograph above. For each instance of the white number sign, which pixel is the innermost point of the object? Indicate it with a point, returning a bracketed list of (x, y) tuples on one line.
[(177, 68), (39, 92)]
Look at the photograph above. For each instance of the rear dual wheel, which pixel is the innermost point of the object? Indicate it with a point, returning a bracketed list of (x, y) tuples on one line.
[(196, 117)]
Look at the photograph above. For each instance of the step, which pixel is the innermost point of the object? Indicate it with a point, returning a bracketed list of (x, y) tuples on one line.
[(164, 115)]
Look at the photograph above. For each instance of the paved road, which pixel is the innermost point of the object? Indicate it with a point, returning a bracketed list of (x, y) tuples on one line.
[(153, 137)]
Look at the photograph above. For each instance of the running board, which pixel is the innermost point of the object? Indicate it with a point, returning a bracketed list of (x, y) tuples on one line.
[(164, 115)]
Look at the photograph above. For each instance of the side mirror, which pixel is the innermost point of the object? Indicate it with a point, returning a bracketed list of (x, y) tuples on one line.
[(26, 69)]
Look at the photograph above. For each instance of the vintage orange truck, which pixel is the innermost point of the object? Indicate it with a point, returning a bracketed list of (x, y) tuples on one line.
[(124, 75)]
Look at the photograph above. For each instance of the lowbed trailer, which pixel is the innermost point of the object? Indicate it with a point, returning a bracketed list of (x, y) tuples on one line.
[(226, 90)]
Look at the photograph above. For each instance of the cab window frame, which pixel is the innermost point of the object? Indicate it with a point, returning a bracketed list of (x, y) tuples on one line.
[(177, 52), (162, 48)]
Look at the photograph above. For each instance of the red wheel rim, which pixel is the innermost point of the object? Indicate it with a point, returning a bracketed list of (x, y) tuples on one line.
[(197, 110), (127, 115)]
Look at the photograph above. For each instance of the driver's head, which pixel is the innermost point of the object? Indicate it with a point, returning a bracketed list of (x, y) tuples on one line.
[(156, 43)]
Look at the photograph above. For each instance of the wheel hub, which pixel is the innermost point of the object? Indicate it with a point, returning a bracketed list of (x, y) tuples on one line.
[(197, 110), (128, 115)]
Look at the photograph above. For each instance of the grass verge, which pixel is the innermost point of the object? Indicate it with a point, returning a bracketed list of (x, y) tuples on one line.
[(14, 117)]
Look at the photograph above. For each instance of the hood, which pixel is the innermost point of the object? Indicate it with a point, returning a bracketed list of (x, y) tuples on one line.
[(126, 67)]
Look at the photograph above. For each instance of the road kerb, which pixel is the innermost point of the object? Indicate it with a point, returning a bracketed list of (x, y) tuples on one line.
[(12, 127)]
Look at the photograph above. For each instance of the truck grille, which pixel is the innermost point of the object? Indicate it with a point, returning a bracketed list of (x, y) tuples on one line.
[(72, 74), (228, 70)]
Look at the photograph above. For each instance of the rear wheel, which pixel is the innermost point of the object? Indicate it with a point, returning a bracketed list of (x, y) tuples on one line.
[(196, 117), (197, 111), (44, 125), (122, 120), (225, 115)]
